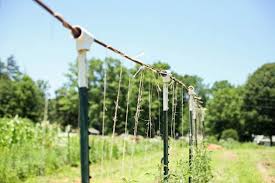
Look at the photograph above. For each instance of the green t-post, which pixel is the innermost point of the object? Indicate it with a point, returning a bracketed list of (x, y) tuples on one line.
[(83, 43), (166, 79), (191, 117), (84, 136)]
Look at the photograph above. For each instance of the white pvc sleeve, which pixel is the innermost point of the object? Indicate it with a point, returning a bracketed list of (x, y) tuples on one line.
[(82, 69), (191, 103), (165, 97)]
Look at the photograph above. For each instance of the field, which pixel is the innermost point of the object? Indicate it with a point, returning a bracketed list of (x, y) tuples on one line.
[(244, 163), (42, 153)]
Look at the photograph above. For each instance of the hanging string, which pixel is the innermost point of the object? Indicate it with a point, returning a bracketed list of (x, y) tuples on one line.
[(159, 113), (138, 108), (175, 108), (150, 116), (137, 114), (150, 111), (149, 123), (126, 124), (103, 115), (182, 111), (116, 109), (159, 105), (173, 103)]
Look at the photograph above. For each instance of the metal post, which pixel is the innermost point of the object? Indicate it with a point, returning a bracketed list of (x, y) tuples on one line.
[(68, 130), (166, 79), (191, 115), (196, 131), (83, 43), (202, 121)]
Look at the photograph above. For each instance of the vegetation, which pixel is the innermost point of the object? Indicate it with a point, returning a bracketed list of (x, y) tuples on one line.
[(247, 109), (230, 134), (33, 148), (38, 149), (259, 102), (236, 163)]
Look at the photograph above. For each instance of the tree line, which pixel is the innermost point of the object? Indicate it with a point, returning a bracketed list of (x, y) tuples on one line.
[(246, 109)]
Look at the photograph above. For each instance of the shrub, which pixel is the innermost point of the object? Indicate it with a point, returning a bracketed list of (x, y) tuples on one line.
[(200, 171), (211, 140), (28, 149), (230, 134)]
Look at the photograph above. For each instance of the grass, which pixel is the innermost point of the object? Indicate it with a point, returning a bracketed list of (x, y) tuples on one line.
[(243, 163), (36, 153)]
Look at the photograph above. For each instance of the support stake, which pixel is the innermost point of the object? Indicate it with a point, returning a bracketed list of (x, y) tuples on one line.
[(191, 117), (166, 79), (83, 43)]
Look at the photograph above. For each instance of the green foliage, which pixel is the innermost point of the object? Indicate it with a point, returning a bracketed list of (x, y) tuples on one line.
[(200, 171), (224, 110), (211, 139), (29, 149), (219, 85), (19, 94), (230, 134), (259, 101), (38, 149), (66, 101)]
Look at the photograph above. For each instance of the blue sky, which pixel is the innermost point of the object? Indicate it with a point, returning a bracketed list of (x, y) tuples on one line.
[(214, 39)]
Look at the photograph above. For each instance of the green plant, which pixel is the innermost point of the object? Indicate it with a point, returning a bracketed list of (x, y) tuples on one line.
[(230, 134)]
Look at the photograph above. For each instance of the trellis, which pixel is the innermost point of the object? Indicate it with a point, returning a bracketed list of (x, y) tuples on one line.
[(84, 40)]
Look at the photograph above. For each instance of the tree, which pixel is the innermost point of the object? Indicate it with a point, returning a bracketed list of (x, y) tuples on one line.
[(12, 68), (230, 134), (224, 109), (259, 101), (221, 85), (19, 94), (44, 87), (66, 102), (2, 69)]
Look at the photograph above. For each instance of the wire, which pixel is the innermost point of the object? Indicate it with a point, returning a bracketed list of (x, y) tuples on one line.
[(77, 32)]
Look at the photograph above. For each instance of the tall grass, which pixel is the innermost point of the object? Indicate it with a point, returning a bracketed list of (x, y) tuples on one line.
[(28, 150)]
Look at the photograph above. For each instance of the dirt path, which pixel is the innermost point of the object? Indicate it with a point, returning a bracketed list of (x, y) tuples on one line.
[(263, 169)]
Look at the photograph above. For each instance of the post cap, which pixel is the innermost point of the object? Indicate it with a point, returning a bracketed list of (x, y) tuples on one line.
[(85, 40), (191, 90), (166, 76)]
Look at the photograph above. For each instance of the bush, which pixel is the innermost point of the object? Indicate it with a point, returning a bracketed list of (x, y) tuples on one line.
[(230, 134), (201, 171), (28, 150), (211, 140)]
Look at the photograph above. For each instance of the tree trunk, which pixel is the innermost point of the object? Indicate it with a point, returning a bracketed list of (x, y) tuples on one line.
[(271, 142)]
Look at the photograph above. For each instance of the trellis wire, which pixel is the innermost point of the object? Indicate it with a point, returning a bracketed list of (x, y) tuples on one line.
[(77, 32)]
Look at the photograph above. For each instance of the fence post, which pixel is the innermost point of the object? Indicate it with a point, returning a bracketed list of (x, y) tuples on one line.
[(191, 117), (195, 121), (68, 130), (166, 79), (83, 43), (203, 110)]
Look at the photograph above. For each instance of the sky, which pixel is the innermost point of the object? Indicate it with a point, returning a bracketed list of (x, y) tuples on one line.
[(214, 39)]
